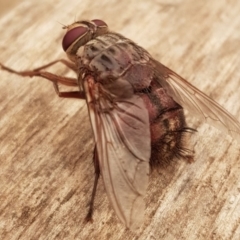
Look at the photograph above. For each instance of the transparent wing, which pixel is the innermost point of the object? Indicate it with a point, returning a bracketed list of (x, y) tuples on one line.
[(196, 102), (122, 137)]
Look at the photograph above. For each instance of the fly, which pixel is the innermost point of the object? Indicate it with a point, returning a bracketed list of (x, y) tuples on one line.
[(135, 105)]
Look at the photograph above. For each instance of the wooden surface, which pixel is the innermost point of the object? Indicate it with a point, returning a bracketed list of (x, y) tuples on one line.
[(46, 170)]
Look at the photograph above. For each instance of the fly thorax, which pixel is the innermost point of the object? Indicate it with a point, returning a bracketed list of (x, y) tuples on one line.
[(114, 59)]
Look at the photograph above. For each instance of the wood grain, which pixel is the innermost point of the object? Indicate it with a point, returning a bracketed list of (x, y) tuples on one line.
[(46, 170)]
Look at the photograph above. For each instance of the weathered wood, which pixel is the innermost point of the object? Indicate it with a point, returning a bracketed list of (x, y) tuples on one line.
[(46, 170)]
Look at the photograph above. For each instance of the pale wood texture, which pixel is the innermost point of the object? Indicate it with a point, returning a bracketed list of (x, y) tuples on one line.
[(46, 170)]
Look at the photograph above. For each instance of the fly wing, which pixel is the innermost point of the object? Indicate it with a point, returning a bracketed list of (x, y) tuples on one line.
[(196, 102), (122, 136)]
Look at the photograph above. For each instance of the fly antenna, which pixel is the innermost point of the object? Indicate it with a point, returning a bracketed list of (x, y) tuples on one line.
[(63, 25)]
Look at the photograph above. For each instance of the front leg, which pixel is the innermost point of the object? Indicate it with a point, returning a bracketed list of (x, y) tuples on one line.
[(55, 79), (47, 75)]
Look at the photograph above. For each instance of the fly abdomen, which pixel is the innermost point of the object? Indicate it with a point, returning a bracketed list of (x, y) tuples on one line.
[(169, 133)]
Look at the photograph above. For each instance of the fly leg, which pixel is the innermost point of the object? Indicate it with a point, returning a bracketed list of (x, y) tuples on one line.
[(97, 174), (55, 79), (72, 94), (49, 76), (68, 64)]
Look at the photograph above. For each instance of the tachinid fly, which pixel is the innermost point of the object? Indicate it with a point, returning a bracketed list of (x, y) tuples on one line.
[(135, 106)]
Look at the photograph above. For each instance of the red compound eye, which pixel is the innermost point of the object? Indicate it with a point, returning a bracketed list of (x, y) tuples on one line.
[(72, 35), (99, 23)]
